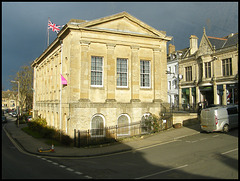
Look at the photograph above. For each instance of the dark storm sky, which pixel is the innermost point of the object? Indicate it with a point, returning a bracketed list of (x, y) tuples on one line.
[(24, 24)]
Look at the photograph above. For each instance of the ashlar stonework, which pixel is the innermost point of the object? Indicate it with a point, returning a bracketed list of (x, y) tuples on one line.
[(114, 66)]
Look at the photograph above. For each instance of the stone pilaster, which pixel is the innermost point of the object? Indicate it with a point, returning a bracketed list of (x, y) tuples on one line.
[(135, 73), (84, 67), (157, 71), (111, 72)]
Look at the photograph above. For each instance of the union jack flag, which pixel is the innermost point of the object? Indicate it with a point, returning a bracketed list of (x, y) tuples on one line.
[(53, 27)]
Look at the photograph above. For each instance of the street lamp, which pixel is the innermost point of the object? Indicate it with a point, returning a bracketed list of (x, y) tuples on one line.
[(18, 101)]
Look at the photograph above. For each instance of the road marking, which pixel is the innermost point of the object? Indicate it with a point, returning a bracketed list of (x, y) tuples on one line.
[(185, 136), (88, 176), (79, 173), (62, 166), (49, 161), (146, 147), (43, 158), (162, 172), (54, 163), (69, 169), (229, 151), (195, 141)]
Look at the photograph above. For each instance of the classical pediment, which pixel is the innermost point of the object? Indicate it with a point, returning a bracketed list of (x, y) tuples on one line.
[(123, 23)]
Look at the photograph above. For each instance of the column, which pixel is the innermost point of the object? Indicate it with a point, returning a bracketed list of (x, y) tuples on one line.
[(215, 95), (84, 69), (180, 95), (135, 74), (111, 69), (197, 95), (190, 97), (224, 96)]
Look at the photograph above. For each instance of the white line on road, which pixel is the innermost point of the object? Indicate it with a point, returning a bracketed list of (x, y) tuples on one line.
[(62, 166), (54, 163), (79, 173), (162, 172), (229, 151), (69, 169), (88, 176)]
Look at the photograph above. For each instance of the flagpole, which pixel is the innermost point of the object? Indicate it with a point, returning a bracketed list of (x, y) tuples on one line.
[(48, 33), (61, 92)]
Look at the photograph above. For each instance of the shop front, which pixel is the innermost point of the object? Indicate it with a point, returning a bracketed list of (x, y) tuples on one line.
[(232, 93), (207, 94), (189, 97)]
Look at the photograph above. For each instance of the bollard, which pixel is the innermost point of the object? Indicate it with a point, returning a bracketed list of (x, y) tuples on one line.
[(74, 139), (78, 139)]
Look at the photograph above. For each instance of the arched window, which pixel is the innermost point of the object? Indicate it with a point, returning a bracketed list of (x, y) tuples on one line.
[(97, 126), (123, 125)]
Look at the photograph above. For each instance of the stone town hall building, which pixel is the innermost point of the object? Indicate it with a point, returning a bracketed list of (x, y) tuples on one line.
[(115, 69)]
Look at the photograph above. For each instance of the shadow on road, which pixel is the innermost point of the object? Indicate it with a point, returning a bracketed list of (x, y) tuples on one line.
[(158, 162)]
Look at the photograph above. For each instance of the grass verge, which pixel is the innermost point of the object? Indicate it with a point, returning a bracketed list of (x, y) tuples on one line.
[(37, 135)]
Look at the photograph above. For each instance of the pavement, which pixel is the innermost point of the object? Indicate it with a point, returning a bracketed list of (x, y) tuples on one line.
[(29, 144)]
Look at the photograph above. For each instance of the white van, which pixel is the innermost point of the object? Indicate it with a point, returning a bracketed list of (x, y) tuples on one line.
[(220, 118)]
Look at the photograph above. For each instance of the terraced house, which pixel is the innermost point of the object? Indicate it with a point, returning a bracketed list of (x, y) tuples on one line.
[(210, 72), (114, 71)]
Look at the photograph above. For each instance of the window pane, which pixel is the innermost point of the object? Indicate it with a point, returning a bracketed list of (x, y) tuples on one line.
[(230, 66), (121, 72), (97, 126), (96, 70), (145, 73)]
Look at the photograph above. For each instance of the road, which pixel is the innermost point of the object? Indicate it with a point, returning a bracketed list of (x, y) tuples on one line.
[(17, 165), (203, 155)]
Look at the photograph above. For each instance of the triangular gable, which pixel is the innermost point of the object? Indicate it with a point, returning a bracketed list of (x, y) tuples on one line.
[(205, 46), (123, 22)]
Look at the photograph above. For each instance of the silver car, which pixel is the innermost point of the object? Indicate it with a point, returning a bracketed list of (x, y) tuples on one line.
[(220, 118)]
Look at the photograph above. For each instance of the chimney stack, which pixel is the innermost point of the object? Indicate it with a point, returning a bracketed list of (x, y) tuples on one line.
[(193, 44), (171, 48)]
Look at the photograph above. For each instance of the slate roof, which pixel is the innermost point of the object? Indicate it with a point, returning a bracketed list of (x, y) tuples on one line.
[(233, 40), (224, 42)]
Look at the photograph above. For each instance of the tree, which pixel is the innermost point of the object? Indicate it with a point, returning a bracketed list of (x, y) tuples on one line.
[(25, 78)]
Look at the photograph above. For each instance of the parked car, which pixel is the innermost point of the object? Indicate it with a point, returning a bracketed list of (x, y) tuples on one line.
[(29, 118), (220, 118), (4, 119), (14, 114)]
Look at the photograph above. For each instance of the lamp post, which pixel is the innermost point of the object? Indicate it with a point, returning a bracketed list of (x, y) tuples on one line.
[(18, 102)]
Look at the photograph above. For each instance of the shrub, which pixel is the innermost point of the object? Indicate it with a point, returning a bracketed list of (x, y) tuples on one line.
[(40, 125), (152, 123), (48, 132), (66, 140)]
